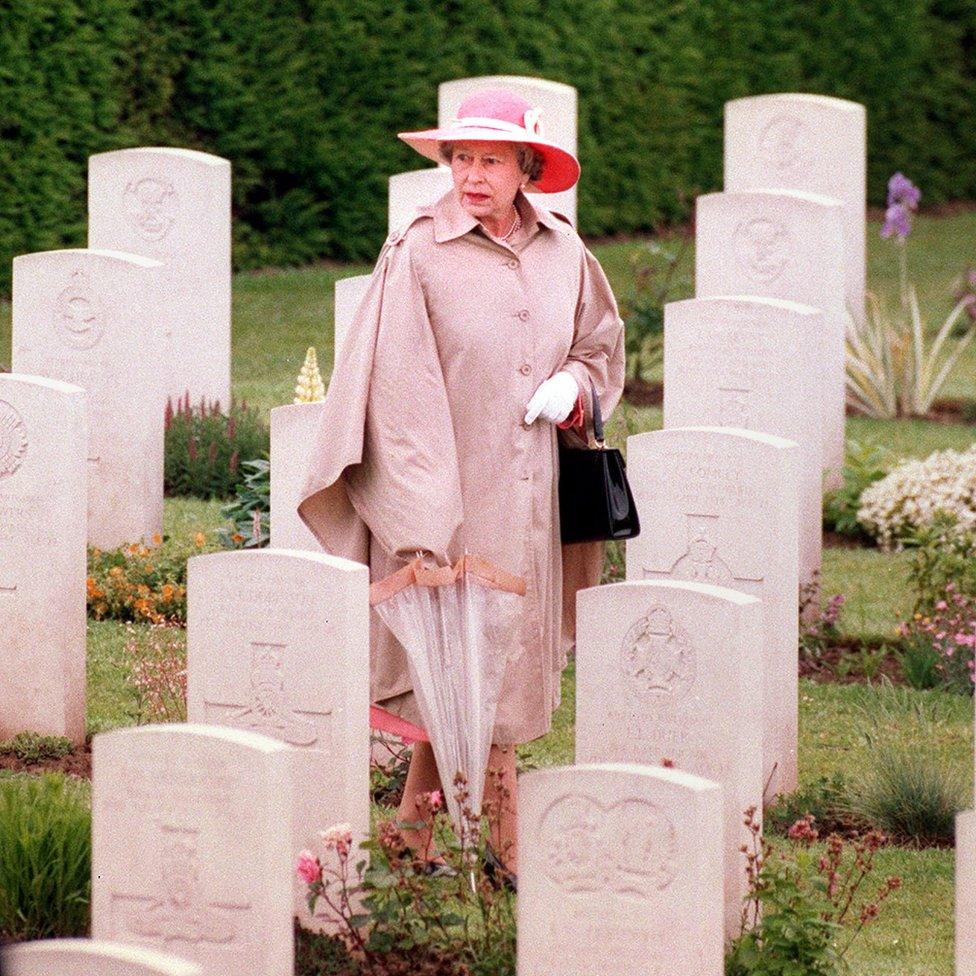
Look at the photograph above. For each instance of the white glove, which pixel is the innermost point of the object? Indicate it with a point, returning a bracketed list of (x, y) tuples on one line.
[(554, 400)]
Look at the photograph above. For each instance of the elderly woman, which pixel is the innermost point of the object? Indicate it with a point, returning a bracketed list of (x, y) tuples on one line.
[(486, 325)]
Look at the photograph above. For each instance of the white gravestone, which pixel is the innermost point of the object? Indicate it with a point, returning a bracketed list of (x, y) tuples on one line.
[(278, 643), (83, 957), (669, 672), (92, 318), (349, 295), (191, 846), (43, 499), (751, 363), (966, 893), (812, 143), (720, 506), (557, 105), (790, 246), (173, 205), (414, 189), (620, 872), (293, 430)]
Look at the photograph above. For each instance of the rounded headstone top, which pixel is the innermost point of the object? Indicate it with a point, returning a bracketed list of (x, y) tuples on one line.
[(42, 382), (76, 956), (190, 155), (195, 732), (753, 301), (81, 253), (730, 197), (825, 101)]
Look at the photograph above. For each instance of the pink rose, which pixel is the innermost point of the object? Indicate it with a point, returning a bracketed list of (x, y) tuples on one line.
[(337, 838), (436, 801), (308, 867)]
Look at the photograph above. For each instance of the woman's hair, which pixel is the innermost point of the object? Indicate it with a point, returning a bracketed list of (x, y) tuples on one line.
[(529, 161)]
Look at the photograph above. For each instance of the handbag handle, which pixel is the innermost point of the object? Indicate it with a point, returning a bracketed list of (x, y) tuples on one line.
[(597, 415)]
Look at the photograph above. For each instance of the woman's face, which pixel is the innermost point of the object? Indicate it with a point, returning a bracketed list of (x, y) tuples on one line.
[(487, 177)]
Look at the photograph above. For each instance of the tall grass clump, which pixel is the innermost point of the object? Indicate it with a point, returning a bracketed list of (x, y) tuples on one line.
[(45, 857)]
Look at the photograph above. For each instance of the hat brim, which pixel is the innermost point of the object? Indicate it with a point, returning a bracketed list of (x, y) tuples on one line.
[(560, 169)]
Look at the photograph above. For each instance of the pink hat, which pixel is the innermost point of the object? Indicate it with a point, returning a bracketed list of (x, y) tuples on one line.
[(498, 115)]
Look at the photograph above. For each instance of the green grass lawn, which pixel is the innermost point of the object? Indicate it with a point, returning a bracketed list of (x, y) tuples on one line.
[(277, 315)]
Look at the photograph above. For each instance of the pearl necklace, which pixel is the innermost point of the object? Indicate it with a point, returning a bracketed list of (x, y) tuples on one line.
[(516, 224)]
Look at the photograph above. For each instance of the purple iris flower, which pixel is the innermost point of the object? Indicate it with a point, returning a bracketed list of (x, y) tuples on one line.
[(902, 190), (898, 221)]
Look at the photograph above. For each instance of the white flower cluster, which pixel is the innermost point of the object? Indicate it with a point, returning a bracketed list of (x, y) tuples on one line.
[(911, 494)]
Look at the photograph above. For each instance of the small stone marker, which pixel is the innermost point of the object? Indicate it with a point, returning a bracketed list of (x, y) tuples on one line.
[(43, 500), (349, 295), (804, 142), (413, 189), (620, 872), (174, 205), (83, 957), (557, 105), (751, 363), (670, 672), (293, 430), (278, 643), (92, 318), (966, 893), (787, 245), (191, 846), (719, 506)]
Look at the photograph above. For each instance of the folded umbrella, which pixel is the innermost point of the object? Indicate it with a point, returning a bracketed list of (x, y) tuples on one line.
[(458, 625)]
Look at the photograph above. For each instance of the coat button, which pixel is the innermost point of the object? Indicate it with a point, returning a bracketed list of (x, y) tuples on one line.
[(513, 264), (525, 369), (522, 315)]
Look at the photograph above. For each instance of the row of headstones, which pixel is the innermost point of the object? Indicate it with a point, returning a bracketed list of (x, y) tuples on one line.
[(141, 315)]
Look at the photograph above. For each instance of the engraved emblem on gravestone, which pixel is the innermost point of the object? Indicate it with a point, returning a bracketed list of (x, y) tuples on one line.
[(181, 913), (657, 656), (626, 848), (13, 439), (733, 407), (268, 710), (151, 206), (762, 248), (701, 562), (79, 318), (785, 145)]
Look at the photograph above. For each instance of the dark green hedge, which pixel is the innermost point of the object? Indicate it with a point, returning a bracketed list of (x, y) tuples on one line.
[(305, 98)]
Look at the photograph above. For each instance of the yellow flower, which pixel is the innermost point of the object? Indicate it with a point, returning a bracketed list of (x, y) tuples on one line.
[(918, 616), (200, 539)]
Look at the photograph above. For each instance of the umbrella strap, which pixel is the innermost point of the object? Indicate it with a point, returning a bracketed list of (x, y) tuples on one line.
[(415, 573)]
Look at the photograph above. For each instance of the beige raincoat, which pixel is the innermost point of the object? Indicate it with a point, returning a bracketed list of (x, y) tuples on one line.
[(422, 443)]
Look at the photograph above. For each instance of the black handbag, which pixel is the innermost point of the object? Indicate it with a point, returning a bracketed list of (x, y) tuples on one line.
[(595, 500)]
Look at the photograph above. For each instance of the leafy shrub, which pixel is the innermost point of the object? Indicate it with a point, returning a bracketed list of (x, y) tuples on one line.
[(920, 664), (805, 908), (141, 584), (157, 663), (946, 634), (910, 795), (892, 371), (249, 513), (30, 747), (915, 493), (942, 554), (656, 282), (864, 464), (204, 447), (825, 800), (45, 857)]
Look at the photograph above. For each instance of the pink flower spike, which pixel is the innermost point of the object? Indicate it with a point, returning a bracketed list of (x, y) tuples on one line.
[(308, 868), (436, 801), (941, 605)]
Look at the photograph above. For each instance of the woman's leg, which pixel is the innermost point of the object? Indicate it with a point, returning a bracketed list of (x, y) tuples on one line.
[(501, 805), (421, 778)]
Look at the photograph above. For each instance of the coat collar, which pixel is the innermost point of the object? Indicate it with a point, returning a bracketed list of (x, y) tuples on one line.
[(451, 220)]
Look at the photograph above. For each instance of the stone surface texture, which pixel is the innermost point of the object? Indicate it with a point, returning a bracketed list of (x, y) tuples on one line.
[(557, 103), (720, 506), (787, 245), (92, 318), (620, 872), (191, 846), (173, 205), (294, 427), (751, 363), (278, 643), (668, 673), (813, 143), (84, 957), (413, 189), (43, 503)]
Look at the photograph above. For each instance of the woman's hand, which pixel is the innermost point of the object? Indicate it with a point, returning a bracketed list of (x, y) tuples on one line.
[(554, 400)]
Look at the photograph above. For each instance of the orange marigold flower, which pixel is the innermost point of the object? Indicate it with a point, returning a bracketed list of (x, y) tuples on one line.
[(237, 537), (115, 572), (200, 539), (157, 539)]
